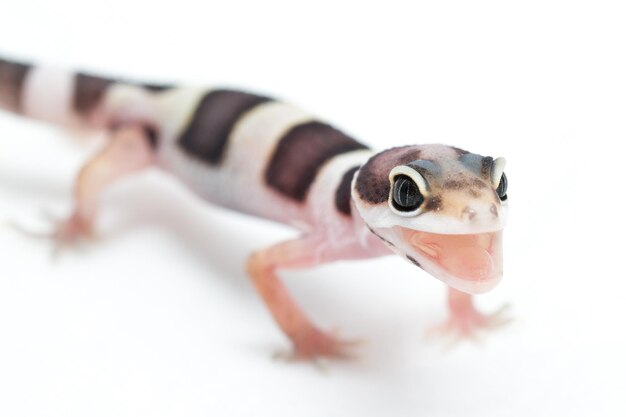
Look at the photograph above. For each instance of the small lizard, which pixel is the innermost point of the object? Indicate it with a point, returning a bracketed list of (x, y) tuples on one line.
[(439, 207)]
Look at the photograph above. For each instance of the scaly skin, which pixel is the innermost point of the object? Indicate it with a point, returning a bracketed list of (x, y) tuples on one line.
[(439, 207)]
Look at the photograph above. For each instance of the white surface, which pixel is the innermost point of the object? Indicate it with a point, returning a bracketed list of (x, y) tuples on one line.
[(158, 319)]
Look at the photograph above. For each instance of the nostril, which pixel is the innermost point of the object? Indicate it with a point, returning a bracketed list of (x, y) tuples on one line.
[(469, 213), (494, 210)]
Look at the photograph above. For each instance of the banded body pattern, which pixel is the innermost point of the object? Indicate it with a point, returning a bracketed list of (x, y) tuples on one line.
[(12, 76), (280, 150), (207, 133), (301, 152), (67, 98), (88, 92), (238, 149)]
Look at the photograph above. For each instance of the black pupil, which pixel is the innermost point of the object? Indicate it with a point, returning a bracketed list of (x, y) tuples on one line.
[(406, 194), (502, 188)]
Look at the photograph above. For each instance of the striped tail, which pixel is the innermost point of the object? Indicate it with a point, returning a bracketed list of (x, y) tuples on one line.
[(12, 78), (61, 97)]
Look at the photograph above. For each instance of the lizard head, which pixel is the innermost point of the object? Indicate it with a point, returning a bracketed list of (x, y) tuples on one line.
[(439, 207)]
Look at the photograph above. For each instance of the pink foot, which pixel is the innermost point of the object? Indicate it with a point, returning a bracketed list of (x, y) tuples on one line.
[(466, 322), (470, 325), (313, 344), (68, 233)]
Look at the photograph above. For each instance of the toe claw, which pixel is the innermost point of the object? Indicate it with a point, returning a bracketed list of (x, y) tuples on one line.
[(314, 344), (64, 234), (468, 325)]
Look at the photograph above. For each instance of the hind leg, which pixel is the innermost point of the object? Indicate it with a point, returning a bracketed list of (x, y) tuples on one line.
[(127, 151)]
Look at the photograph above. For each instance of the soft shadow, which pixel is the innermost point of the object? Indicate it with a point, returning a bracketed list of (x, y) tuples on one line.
[(28, 184), (213, 238), (202, 230)]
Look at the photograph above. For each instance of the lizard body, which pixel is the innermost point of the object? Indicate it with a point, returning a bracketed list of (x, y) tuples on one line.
[(439, 207)]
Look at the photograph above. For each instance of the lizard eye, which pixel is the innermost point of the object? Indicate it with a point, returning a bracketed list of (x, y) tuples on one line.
[(498, 179), (502, 187), (406, 194)]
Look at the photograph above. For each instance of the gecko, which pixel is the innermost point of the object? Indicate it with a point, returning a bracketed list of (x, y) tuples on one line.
[(439, 207)]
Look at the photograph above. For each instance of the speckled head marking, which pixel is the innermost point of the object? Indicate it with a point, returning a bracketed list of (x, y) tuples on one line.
[(441, 207), (372, 183), (12, 76), (217, 113), (301, 152)]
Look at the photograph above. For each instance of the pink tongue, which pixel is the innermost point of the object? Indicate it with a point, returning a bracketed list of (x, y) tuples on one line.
[(470, 262), (464, 256)]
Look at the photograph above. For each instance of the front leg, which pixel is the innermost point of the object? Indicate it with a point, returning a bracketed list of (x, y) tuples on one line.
[(308, 340), (465, 321)]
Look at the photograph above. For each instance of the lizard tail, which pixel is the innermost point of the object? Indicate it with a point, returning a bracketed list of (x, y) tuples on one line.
[(12, 79), (72, 100)]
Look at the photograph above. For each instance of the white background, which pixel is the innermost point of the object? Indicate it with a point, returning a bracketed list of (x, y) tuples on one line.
[(158, 318)]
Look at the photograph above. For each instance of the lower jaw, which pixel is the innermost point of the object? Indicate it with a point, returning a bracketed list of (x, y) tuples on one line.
[(469, 262), (470, 287)]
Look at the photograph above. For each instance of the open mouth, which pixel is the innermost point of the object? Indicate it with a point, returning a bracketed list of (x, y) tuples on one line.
[(473, 258)]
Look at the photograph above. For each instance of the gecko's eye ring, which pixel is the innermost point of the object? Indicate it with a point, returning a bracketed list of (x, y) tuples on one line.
[(406, 194), (498, 179), (502, 187)]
